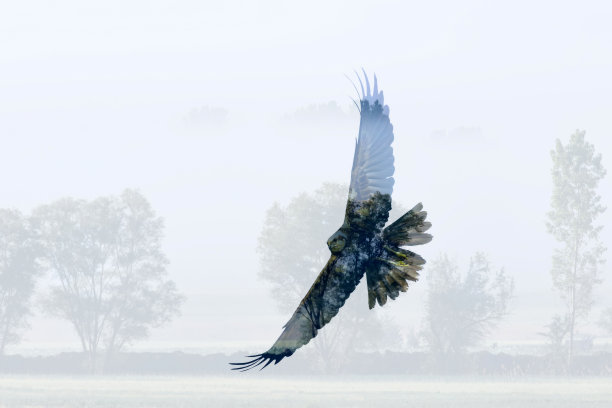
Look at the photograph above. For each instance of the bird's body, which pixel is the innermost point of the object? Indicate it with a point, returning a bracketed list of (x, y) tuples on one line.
[(361, 245)]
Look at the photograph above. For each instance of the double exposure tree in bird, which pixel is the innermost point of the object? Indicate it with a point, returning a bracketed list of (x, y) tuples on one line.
[(360, 246)]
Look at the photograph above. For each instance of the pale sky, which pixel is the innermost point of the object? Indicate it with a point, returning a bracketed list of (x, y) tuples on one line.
[(93, 100)]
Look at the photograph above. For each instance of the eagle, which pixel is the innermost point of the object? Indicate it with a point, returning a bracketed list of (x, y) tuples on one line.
[(361, 245)]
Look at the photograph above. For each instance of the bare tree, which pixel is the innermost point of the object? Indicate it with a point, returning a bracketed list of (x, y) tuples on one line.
[(110, 270), (461, 309), (293, 250), (18, 270), (575, 205)]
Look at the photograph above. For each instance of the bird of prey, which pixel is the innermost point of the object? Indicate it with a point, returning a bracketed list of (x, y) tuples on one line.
[(361, 245)]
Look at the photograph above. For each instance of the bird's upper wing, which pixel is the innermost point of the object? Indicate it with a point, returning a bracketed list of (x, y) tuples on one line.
[(373, 161), (326, 296)]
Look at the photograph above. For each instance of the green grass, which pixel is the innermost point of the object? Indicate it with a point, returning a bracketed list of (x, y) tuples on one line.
[(251, 390)]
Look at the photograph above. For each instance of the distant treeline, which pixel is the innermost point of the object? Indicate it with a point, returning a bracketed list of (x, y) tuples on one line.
[(397, 363)]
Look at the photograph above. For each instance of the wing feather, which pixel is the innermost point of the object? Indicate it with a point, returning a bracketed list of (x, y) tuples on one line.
[(326, 296), (373, 159)]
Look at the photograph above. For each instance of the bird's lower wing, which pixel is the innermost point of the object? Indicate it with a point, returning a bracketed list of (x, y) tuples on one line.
[(298, 331), (327, 295)]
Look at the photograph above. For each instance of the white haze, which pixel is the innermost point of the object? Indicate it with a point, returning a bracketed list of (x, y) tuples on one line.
[(96, 97)]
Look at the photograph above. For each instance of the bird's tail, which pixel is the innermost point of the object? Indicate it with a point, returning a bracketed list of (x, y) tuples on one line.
[(389, 274)]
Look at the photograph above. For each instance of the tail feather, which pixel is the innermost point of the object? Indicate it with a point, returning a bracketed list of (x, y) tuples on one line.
[(388, 275)]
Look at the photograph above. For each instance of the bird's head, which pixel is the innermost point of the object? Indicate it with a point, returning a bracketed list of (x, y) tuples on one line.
[(337, 241)]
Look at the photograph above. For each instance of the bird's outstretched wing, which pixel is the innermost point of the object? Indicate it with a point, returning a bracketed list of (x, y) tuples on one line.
[(326, 296), (373, 161)]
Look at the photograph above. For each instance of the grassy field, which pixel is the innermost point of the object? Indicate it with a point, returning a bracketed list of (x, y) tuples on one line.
[(255, 391)]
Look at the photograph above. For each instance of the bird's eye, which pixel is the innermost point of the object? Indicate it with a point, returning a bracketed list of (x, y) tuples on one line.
[(336, 244)]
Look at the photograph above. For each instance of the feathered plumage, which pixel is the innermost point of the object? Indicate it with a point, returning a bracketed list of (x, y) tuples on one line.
[(361, 245)]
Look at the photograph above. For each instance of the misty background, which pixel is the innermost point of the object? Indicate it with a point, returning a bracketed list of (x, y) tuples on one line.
[(215, 111)]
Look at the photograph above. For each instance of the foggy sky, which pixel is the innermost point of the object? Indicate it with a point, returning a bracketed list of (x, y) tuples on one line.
[(94, 99)]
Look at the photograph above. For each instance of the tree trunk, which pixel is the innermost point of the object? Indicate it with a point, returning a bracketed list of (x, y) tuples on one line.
[(572, 322)]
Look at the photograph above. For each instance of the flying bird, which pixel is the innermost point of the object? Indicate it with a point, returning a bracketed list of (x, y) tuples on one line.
[(361, 245)]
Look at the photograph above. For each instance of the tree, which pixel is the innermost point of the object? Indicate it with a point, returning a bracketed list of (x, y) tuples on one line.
[(293, 250), (556, 332), (109, 267), (18, 270), (575, 206), (462, 309)]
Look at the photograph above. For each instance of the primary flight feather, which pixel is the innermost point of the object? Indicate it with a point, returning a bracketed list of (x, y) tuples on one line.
[(361, 245)]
